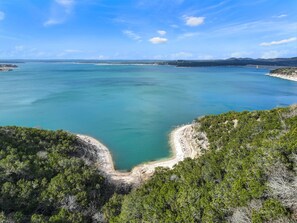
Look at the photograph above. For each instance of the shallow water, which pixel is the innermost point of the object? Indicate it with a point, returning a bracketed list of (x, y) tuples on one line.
[(132, 109)]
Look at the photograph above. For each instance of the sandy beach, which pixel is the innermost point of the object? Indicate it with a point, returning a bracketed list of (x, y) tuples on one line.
[(185, 142), (291, 78)]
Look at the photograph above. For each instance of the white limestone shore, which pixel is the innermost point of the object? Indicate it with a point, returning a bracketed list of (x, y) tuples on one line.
[(282, 76), (185, 142)]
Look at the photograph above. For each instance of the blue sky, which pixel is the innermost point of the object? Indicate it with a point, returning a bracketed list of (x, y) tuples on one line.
[(147, 29)]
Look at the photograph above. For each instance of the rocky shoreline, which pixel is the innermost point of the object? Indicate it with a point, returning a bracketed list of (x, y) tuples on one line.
[(289, 73)]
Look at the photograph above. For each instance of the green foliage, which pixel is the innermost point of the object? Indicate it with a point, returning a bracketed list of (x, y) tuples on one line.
[(113, 207), (233, 172), (43, 180), (288, 71), (271, 210)]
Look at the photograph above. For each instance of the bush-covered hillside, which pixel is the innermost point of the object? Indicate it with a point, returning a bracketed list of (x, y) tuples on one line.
[(42, 180), (247, 175), (288, 71)]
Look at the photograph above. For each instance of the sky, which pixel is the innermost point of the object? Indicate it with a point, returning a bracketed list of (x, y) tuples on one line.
[(147, 29)]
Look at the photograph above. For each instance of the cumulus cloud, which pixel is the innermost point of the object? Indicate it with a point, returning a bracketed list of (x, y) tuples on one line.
[(158, 40), (162, 32), (194, 21), (283, 41), (2, 15), (132, 35)]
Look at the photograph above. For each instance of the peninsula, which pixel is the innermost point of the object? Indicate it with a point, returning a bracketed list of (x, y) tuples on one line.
[(289, 73)]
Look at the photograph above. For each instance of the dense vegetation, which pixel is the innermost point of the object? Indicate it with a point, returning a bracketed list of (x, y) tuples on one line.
[(42, 180), (288, 71), (247, 175)]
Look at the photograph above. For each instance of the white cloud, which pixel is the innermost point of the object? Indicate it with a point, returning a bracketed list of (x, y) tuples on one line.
[(50, 22), (162, 32), (132, 35), (257, 26), (194, 21), (283, 41), (158, 40), (2, 15), (281, 16)]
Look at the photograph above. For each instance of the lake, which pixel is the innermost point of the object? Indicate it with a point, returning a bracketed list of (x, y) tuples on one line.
[(132, 108)]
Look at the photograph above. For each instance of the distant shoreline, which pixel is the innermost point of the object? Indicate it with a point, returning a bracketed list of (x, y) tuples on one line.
[(182, 145), (249, 62)]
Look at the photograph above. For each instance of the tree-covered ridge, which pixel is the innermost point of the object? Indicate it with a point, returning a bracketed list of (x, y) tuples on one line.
[(43, 180), (247, 175)]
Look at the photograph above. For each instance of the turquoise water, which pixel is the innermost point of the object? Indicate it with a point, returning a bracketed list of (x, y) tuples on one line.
[(132, 108)]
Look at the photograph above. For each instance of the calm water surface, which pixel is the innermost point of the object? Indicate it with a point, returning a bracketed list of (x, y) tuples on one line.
[(132, 108)]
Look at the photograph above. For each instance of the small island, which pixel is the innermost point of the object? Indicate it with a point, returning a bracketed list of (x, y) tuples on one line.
[(289, 73), (7, 67)]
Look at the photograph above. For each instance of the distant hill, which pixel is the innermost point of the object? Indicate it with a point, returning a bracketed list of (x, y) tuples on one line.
[(233, 62)]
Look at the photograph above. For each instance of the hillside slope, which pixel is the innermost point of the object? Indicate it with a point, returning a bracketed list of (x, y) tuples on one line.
[(42, 178), (247, 175)]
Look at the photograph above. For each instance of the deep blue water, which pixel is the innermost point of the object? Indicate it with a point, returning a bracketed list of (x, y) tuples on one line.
[(132, 108)]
